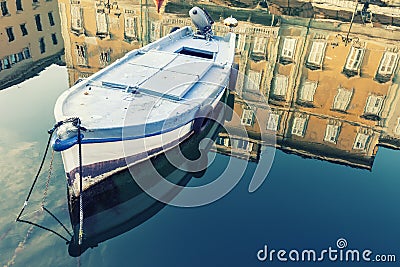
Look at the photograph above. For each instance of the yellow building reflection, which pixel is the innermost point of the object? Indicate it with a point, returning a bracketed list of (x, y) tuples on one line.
[(330, 98)]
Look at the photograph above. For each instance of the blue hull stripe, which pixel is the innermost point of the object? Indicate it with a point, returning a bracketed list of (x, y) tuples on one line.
[(118, 139), (61, 145)]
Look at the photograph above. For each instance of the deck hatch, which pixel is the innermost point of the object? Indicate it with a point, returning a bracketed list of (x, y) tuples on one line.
[(195, 52)]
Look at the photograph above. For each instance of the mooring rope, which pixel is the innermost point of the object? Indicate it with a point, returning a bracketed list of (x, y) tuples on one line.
[(80, 237), (36, 177), (48, 179), (76, 122)]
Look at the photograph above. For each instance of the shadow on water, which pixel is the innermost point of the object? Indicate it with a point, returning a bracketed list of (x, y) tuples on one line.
[(118, 204)]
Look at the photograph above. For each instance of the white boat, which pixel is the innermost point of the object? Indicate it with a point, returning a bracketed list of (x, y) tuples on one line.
[(118, 204), (144, 103)]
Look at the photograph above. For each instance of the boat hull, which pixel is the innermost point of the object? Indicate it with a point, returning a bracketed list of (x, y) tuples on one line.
[(103, 159)]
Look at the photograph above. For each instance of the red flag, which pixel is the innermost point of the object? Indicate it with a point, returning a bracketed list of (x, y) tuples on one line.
[(158, 4)]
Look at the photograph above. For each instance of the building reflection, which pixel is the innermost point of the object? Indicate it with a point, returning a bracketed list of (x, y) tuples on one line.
[(332, 95), (330, 98), (30, 39), (373, 12)]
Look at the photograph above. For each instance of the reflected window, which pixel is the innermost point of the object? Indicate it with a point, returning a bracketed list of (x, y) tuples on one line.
[(38, 23), (361, 141), (354, 59), (101, 22), (247, 117), (342, 99), (299, 126), (4, 9), (227, 142), (131, 27), (260, 45), (397, 129), (6, 63), (51, 18), (317, 53), (27, 53), (20, 56), (54, 38), (24, 31), (289, 47), (388, 64), (307, 91), (223, 141), (13, 59), (331, 133), (280, 86), (252, 81), (273, 122), (80, 53), (155, 30), (76, 17), (374, 104), (18, 5), (241, 42), (104, 58), (10, 34), (42, 45), (242, 144)]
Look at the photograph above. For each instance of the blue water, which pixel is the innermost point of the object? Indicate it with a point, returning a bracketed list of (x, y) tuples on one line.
[(303, 204)]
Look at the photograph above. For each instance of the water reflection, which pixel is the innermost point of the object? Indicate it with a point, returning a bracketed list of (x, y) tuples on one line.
[(330, 99), (333, 95)]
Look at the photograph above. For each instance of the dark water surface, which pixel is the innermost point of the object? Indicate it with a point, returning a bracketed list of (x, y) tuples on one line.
[(303, 204)]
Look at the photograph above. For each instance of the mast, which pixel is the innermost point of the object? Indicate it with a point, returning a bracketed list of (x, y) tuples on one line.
[(351, 24), (148, 26), (141, 22)]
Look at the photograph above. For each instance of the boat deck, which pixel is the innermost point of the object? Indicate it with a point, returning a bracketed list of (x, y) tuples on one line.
[(156, 82)]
